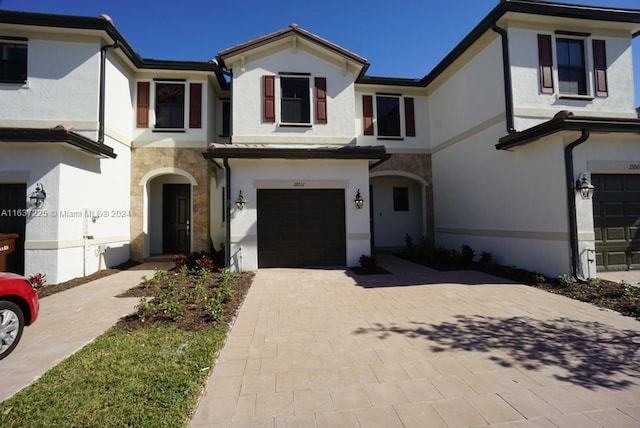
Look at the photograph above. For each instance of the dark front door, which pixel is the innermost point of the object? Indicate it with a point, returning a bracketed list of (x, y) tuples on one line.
[(301, 227), (13, 219), (176, 220), (616, 221)]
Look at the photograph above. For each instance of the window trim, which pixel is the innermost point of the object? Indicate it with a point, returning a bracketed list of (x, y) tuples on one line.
[(300, 76), (185, 109), (17, 41), (586, 66)]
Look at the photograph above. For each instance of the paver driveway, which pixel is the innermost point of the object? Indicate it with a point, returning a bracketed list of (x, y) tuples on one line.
[(420, 348)]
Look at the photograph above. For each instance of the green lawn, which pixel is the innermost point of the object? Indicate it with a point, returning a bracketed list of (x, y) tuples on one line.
[(147, 377)]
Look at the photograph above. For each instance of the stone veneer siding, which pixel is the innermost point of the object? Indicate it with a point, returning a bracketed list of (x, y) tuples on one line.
[(419, 165), (144, 160)]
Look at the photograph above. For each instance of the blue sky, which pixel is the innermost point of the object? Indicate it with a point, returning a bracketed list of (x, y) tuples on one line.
[(403, 39)]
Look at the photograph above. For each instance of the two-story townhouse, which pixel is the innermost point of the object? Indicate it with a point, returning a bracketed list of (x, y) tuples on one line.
[(297, 157), (511, 154), (77, 131)]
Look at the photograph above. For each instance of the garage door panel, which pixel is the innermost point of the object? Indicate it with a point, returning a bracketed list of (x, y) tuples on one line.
[(616, 217), (301, 227)]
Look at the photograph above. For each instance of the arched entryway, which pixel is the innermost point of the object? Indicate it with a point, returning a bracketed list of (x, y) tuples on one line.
[(168, 211), (398, 207)]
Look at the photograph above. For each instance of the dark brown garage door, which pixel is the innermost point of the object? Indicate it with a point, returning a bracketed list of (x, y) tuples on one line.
[(301, 227), (616, 218)]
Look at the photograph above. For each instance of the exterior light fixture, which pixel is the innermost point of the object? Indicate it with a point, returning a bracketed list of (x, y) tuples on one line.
[(241, 201), (358, 200), (38, 196), (584, 186)]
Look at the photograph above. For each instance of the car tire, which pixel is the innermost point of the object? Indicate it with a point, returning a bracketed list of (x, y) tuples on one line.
[(11, 326)]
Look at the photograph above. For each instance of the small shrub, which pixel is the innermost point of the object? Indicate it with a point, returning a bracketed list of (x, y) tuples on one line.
[(538, 278), (38, 280), (408, 240), (468, 254), (486, 258), (567, 281), (226, 288), (368, 262), (627, 290), (180, 261), (215, 309)]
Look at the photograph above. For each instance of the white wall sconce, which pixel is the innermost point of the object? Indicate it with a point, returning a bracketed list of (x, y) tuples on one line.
[(38, 197), (358, 200), (241, 201), (584, 186)]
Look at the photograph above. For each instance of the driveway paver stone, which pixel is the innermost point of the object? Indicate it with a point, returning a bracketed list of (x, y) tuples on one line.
[(325, 347)]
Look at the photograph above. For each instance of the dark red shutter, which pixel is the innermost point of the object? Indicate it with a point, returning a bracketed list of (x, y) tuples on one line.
[(409, 118), (195, 105), (269, 99), (545, 60), (600, 68), (321, 99), (367, 114), (142, 110)]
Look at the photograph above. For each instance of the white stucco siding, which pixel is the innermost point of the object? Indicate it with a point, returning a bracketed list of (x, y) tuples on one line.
[(186, 137), (248, 96), (251, 175), (62, 87), (74, 182), (531, 104), (510, 203), (404, 144), (119, 98), (471, 97)]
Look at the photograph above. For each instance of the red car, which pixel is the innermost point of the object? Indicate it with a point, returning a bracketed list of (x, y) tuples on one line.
[(19, 306)]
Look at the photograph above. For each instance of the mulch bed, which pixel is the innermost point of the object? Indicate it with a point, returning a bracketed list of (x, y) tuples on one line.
[(196, 314)]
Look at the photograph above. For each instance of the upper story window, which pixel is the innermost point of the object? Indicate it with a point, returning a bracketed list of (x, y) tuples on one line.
[(572, 68), (388, 118), (572, 71), (13, 61), (390, 110), (294, 99), (226, 118), (172, 104)]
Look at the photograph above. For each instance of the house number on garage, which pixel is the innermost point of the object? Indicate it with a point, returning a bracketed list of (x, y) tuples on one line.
[(298, 184), (634, 166)]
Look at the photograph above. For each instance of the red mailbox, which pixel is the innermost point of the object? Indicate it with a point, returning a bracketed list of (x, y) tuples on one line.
[(7, 246)]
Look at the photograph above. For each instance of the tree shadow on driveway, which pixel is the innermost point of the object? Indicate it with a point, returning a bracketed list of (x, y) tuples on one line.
[(590, 353)]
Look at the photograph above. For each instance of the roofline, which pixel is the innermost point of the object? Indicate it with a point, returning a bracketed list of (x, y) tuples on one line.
[(389, 81), (344, 152), (535, 7), (570, 123), (103, 24), (56, 135), (291, 29)]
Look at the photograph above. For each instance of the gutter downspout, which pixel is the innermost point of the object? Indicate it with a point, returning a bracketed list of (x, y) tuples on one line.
[(571, 199), (506, 68), (227, 245), (103, 77)]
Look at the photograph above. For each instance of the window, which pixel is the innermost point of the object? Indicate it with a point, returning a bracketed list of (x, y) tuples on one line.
[(294, 100), (572, 73), (566, 72), (169, 105), (401, 199), (388, 117), (13, 62), (226, 118)]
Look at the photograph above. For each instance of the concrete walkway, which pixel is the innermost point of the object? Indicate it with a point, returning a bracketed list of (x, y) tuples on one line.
[(630, 276), (67, 322), (420, 348)]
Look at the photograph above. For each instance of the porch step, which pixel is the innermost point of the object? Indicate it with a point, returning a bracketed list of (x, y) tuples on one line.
[(160, 258)]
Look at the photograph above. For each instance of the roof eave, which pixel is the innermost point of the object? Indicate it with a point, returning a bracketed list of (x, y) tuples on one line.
[(37, 135), (595, 125), (348, 153)]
